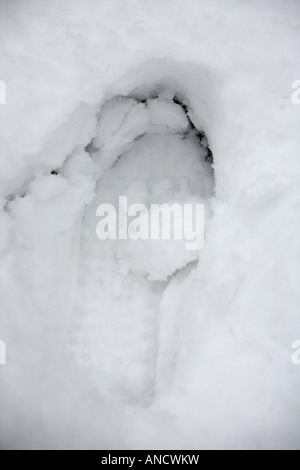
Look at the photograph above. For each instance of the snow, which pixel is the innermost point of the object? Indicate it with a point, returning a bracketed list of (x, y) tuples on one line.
[(138, 344), (171, 116)]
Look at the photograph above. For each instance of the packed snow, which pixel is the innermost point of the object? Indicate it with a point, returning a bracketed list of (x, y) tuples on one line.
[(141, 343)]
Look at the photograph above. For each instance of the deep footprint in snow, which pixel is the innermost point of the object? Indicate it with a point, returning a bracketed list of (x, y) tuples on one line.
[(150, 152)]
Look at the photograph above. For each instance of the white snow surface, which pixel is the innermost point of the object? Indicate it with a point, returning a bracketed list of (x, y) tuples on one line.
[(136, 344)]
